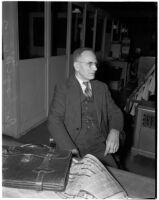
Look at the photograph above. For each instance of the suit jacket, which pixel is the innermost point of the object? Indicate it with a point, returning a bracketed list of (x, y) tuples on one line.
[(64, 120)]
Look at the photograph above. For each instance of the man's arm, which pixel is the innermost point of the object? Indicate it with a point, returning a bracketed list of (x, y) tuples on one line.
[(114, 114), (56, 124), (115, 119)]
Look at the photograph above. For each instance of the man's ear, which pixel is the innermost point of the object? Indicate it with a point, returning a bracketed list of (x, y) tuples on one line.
[(76, 66)]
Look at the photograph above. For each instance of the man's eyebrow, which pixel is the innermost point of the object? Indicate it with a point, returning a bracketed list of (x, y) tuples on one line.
[(92, 61)]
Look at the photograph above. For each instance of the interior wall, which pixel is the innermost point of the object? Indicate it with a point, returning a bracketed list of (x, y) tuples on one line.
[(32, 80), (57, 72), (71, 68)]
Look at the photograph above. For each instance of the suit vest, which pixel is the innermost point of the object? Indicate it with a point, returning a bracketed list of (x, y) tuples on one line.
[(89, 137)]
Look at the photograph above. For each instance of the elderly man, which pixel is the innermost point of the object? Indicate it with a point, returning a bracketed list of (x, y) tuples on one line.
[(83, 117)]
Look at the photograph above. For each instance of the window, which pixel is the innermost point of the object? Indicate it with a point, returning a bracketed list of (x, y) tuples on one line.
[(77, 25), (89, 29), (31, 29), (58, 28), (99, 33)]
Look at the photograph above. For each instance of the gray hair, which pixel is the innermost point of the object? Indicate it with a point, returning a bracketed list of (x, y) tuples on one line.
[(78, 52)]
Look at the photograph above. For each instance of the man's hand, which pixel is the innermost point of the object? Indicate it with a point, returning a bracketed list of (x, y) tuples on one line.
[(112, 142)]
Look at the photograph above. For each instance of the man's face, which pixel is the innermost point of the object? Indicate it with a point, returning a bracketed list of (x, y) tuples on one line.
[(86, 66)]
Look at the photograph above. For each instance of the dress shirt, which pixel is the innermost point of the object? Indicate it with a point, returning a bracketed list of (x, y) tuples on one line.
[(83, 86)]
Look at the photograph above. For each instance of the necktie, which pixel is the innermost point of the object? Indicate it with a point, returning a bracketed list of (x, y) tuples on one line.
[(87, 91)]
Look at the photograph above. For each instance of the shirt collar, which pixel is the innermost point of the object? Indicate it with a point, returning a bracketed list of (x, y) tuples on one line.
[(79, 80), (81, 83)]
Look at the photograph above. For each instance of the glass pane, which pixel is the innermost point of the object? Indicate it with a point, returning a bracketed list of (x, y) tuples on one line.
[(89, 29), (58, 28), (76, 31), (109, 26), (99, 34), (31, 29)]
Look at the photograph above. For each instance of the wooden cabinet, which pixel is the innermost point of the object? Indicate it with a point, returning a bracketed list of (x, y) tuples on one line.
[(144, 142)]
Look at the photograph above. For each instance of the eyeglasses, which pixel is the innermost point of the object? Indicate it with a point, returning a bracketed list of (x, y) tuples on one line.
[(90, 64)]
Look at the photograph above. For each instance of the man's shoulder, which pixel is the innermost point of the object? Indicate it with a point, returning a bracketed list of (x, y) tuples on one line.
[(99, 84), (65, 83)]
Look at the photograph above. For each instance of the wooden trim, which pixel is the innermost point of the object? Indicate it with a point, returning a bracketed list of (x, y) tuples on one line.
[(104, 36), (11, 103), (17, 72), (68, 41), (84, 25), (94, 29), (47, 48), (112, 31), (142, 152)]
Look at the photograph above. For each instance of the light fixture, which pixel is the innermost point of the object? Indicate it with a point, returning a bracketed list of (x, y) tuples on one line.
[(76, 11)]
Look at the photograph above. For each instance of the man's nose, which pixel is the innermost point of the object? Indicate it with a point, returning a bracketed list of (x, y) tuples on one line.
[(94, 67)]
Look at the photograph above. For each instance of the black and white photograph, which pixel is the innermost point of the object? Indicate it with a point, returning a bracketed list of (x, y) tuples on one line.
[(79, 99)]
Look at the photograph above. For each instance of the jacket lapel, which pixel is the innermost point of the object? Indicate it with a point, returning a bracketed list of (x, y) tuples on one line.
[(97, 99), (74, 100)]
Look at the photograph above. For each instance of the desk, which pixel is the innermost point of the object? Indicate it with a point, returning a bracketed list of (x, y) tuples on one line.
[(99, 184), (135, 185)]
